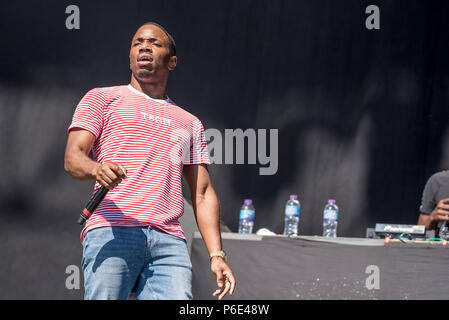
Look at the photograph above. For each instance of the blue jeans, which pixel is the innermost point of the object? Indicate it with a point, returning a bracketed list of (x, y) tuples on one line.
[(144, 260)]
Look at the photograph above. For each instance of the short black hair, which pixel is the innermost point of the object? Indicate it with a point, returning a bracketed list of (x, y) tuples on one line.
[(170, 38)]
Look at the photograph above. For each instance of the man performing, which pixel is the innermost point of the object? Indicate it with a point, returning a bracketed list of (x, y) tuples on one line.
[(434, 207), (142, 144)]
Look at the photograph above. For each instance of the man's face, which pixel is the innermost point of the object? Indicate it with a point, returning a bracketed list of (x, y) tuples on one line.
[(150, 54)]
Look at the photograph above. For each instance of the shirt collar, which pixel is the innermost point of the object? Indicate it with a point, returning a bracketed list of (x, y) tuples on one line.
[(167, 100)]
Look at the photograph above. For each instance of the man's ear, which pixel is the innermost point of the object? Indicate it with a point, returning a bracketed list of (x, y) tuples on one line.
[(172, 63)]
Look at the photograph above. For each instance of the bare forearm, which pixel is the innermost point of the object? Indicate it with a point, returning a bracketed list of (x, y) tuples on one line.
[(207, 211), (427, 221), (80, 166)]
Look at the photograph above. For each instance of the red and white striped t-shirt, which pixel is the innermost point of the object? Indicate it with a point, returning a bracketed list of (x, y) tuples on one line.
[(153, 139)]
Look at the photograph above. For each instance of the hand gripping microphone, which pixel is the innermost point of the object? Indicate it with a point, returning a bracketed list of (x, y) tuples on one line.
[(92, 204)]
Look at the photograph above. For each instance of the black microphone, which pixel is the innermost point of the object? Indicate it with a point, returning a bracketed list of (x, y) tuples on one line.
[(92, 204)]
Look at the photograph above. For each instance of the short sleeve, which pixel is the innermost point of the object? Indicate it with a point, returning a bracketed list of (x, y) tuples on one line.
[(198, 153), (428, 201), (89, 112)]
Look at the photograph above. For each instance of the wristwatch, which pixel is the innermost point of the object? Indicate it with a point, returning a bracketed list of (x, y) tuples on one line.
[(220, 253)]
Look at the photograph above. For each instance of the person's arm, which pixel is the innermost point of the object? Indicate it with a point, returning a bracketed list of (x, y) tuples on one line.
[(439, 213), (426, 220), (79, 165), (207, 214)]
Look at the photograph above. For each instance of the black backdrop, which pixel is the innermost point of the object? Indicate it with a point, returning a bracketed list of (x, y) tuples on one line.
[(361, 114)]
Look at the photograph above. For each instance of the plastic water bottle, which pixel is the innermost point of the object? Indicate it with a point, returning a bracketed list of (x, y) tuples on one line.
[(291, 219), (330, 219), (444, 231), (247, 215)]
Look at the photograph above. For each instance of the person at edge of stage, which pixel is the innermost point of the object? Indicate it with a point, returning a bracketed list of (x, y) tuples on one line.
[(434, 208)]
